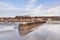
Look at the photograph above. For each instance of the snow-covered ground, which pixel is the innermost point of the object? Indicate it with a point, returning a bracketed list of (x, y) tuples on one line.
[(44, 32)]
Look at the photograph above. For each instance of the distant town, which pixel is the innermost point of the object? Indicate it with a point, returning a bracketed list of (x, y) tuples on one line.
[(28, 18)]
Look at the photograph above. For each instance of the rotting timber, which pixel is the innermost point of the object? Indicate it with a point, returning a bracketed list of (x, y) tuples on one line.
[(26, 28)]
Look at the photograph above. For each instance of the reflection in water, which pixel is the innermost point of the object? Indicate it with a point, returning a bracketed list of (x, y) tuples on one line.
[(45, 32)]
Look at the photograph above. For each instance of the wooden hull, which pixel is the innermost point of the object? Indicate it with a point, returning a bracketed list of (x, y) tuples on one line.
[(25, 29)]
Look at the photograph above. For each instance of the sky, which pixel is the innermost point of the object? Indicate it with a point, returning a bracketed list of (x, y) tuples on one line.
[(29, 7)]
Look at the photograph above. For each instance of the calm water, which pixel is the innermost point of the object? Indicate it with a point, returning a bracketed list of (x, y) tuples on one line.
[(44, 32)]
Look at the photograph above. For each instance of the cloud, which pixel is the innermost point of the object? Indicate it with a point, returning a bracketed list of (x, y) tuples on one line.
[(55, 11), (11, 10), (42, 11), (38, 11), (32, 1)]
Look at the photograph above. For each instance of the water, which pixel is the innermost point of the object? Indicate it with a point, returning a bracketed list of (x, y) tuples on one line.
[(44, 32)]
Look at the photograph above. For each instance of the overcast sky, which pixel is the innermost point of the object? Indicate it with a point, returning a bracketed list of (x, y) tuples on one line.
[(30, 7)]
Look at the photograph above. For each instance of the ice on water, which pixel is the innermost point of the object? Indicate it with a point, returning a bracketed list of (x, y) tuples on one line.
[(44, 32)]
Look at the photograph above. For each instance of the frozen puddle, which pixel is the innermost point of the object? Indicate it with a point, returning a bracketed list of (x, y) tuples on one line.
[(8, 31), (44, 32), (6, 28), (10, 35)]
